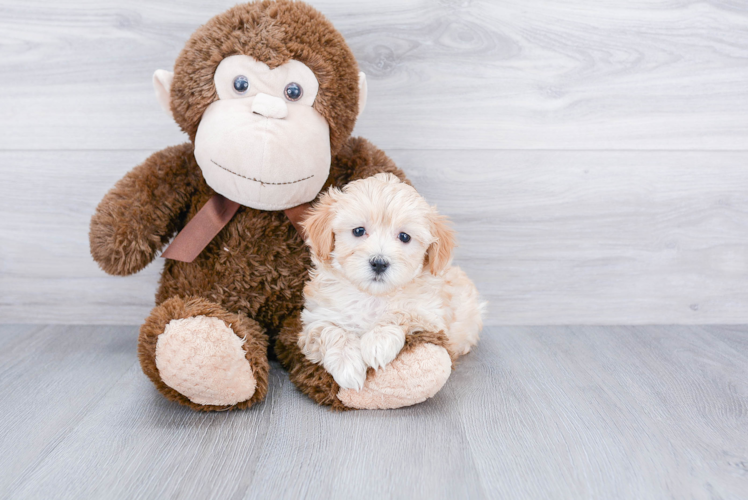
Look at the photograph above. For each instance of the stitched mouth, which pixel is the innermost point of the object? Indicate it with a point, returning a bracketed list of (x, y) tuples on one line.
[(258, 180)]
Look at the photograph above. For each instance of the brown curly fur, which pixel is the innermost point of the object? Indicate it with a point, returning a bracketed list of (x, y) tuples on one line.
[(252, 273)]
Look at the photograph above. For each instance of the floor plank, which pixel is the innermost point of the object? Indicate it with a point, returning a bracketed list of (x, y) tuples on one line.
[(534, 412), (550, 237), (516, 74), (152, 448), (625, 412), (418, 452), (49, 379)]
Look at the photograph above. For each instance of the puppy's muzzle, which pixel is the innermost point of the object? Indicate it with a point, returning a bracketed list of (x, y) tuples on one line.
[(379, 265)]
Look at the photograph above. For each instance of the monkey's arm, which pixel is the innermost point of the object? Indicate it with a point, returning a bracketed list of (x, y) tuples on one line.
[(359, 159), (142, 211)]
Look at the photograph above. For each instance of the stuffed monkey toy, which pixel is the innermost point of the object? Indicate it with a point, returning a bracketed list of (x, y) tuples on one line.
[(268, 93)]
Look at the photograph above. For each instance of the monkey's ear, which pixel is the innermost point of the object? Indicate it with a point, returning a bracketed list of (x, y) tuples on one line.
[(363, 89), (162, 84)]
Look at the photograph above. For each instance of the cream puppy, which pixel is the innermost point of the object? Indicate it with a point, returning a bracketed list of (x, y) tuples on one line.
[(382, 271)]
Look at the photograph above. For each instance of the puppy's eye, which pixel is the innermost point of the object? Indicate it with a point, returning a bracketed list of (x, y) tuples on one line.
[(241, 84), (293, 91), (404, 237), (359, 231)]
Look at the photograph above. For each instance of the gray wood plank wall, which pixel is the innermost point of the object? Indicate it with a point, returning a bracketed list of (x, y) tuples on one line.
[(594, 155)]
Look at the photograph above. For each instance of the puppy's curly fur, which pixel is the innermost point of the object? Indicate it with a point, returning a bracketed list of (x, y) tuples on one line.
[(382, 272)]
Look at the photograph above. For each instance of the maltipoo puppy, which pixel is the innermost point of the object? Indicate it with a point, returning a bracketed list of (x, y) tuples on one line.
[(382, 260)]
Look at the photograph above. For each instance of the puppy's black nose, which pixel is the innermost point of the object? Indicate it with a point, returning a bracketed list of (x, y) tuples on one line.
[(379, 265)]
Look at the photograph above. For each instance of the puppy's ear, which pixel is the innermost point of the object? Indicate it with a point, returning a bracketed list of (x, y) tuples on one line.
[(318, 227), (439, 253)]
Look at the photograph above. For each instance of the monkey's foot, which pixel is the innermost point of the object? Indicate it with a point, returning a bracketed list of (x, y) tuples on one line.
[(202, 356), (203, 359), (418, 373)]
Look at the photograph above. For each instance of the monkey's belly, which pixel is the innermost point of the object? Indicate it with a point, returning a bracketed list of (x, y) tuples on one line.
[(256, 266)]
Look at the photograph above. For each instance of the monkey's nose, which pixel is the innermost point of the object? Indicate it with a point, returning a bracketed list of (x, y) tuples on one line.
[(379, 265), (269, 106)]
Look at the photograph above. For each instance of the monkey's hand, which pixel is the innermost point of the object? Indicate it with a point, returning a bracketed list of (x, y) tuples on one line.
[(141, 212)]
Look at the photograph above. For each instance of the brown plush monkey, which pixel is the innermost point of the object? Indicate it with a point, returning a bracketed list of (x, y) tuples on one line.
[(268, 93)]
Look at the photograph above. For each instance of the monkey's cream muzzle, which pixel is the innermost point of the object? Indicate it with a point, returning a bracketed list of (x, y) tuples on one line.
[(258, 145), (262, 153)]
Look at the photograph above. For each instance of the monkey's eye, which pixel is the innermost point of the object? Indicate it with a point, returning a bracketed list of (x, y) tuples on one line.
[(241, 84), (404, 237), (359, 232), (293, 92)]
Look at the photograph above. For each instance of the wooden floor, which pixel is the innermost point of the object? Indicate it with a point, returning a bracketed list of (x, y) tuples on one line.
[(535, 412)]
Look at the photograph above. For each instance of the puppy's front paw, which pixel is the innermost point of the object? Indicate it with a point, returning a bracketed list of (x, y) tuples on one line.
[(346, 366), (381, 345)]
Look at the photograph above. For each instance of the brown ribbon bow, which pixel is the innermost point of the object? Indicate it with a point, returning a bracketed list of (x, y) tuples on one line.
[(209, 221)]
